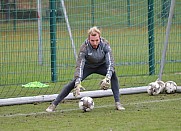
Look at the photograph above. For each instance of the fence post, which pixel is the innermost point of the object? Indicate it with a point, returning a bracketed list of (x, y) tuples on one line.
[(53, 40), (14, 15), (92, 12), (151, 37), (128, 13)]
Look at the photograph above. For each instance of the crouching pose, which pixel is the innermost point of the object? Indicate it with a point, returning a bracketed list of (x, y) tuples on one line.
[(95, 56)]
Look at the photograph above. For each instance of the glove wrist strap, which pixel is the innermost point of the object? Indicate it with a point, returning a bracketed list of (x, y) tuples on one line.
[(77, 81), (108, 76)]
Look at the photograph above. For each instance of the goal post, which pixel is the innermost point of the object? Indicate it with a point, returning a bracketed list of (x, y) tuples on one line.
[(40, 46), (93, 94), (68, 28), (168, 28), (44, 98)]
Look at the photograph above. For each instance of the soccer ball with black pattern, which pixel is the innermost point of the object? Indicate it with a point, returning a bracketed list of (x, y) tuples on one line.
[(170, 87), (86, 104), (153, 88)]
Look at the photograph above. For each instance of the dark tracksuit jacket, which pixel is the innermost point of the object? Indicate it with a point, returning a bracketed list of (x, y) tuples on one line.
[(90, 60)]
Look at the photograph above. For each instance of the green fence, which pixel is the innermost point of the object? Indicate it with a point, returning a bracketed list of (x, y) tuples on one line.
[(36, 44)]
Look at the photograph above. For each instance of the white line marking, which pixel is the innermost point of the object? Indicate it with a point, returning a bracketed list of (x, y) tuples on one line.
[(39, 113)]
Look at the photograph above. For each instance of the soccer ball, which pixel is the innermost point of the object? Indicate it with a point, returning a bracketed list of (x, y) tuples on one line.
[(153, 88), (86, 103), (162, 86), (170, 87)]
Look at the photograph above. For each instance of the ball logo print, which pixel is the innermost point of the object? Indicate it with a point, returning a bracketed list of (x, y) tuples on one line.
[(86, 104)]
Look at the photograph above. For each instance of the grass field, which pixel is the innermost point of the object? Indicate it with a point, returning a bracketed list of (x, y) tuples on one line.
[(143, 113), (19, 65), (19, 50)]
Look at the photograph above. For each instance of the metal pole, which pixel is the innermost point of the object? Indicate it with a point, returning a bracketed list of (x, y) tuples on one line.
[(166, 38), (40, 46), (69, 29), (128, 13), (15, 16), (151, 37), (53, 40), (92, 12)]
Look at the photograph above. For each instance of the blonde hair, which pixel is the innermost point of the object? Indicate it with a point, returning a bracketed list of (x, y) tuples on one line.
[(94, 31)]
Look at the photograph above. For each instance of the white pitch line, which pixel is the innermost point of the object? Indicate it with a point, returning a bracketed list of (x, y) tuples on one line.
[(135, 103)]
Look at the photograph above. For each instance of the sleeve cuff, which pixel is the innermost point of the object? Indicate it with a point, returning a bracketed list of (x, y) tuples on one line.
[(78, 80)]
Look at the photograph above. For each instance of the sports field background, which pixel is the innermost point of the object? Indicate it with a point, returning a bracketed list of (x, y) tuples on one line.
[(143, 112), (123, 23)]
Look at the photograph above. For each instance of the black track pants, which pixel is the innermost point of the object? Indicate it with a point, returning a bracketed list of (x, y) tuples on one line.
[(102, 70)]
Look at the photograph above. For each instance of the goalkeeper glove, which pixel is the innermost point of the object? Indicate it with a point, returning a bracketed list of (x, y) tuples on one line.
[(77, 89), (105, 83)]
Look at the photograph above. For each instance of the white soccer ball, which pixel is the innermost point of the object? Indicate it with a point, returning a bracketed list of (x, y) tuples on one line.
[(162, 86), (153, 88), (170, 87), (86, 103)]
